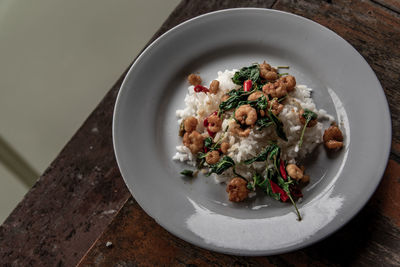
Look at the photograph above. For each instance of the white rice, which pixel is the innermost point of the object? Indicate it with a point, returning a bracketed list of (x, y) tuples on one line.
[(201, 105)]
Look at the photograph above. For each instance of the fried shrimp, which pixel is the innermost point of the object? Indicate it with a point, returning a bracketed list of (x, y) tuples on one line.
[(289, 81), (245, 114), (254, 96), (236, 129), (237, 190), (194, 79), (294, 172), (194, 141), (212, 157), (276, 89), (224, 147), (275, 106), (214, 87), (214, 123), (333, 138), (190, 124), (267, 72)]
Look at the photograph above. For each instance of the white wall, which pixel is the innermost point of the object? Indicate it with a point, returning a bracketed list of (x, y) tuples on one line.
[(57, 60)]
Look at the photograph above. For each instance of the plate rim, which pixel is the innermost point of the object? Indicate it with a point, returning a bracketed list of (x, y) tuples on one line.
[(268, 252)]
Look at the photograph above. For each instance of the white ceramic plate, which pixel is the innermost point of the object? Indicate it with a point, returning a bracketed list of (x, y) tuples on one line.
[(145, 131)]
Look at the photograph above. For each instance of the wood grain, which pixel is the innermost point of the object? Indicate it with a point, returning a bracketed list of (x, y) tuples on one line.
[(82, 191), (393, 5), (138, 240), (375, 33)]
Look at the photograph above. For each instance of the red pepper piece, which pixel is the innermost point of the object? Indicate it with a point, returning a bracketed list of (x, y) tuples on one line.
[(276, 189), (282, 170), (205, 122), (211, 133), (199, 88), (247, 85)]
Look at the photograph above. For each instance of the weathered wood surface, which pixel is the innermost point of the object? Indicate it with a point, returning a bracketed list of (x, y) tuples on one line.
[(82, 191), (372, 29)]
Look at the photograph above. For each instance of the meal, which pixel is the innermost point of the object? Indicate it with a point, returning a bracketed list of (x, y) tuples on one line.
[(249, 128)]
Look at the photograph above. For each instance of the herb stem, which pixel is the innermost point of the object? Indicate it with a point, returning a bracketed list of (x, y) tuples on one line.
[(283, 67), (294, 204), (302, 133)]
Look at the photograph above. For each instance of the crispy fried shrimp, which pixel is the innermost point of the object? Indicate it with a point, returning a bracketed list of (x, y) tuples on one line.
[(236, 129), (214, 123), (303, 120), (289, 81), (275, 106), (194, 141), (333, 138), (294, 171), (276, 89), (267, 72), (245, 114), (254, 96), (194, 79), (224, 147), (212, 157), (214, 87), (237, 190), (190, 124), (224, 98)]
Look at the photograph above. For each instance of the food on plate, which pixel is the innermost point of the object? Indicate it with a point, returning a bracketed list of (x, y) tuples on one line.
[(333, 137), (249, 128)]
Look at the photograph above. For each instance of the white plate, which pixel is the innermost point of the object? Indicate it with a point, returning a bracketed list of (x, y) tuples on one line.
[(145, 130)]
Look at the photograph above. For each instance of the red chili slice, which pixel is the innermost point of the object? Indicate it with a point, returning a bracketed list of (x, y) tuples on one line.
[(276, 189), (205, 122), (199, 88), (247, 85), (282, 170), (211, 133)]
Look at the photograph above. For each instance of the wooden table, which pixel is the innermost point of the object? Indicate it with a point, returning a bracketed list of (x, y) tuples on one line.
[(81, 202)]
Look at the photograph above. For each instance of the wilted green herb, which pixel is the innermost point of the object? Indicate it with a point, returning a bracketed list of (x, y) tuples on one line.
[(272, 150), (278, 125), (225, 163), (263, 123), (262, 103), (309, 116), (235, 97), (208, 142), (246, 73), (187, 173)]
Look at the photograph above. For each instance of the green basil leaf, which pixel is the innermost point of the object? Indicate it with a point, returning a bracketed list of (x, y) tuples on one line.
[(263, 123), (208, 142), (278, 125), (187, 173), (225, 163), (309, 115), (246, 73)]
